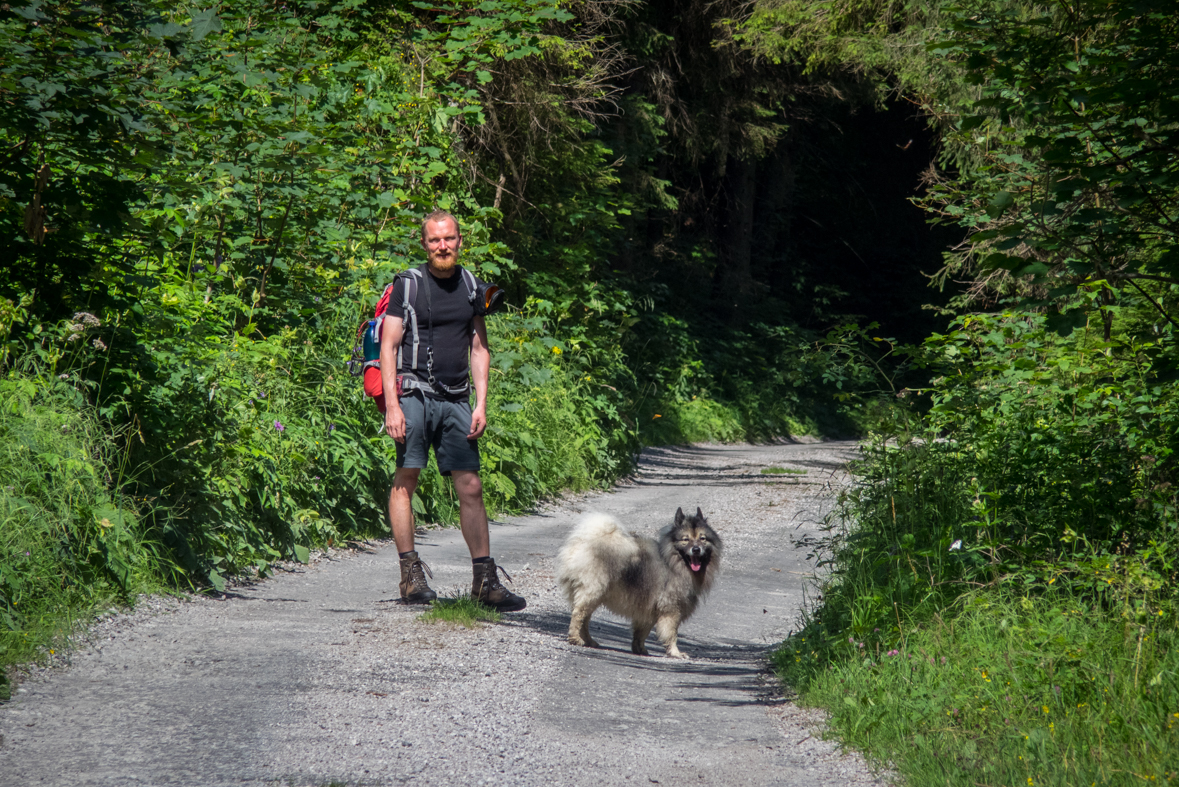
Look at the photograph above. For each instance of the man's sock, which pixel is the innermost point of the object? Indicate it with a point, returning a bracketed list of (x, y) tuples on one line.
[(405, 554), (481, 559)]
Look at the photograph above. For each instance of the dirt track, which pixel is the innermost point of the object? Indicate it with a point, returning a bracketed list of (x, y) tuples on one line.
[(318, 676)]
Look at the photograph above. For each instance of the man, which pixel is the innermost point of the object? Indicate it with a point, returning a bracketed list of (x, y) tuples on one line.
[(434, 410)]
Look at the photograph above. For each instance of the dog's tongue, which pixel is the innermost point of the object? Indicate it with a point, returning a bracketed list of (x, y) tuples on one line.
[(695, 564)]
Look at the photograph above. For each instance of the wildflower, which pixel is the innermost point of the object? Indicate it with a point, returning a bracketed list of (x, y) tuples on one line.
[(99, 344), (331, 428), (943, 659), (956, 545), (87, 320), (278, 427), (893, 653), (1044, 708), (657, 415), (63, 377), (556, 350)]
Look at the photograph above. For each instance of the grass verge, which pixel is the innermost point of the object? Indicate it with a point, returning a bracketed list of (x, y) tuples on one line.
[(461, 610), (70, 543), (781, 471), (1003, 689)]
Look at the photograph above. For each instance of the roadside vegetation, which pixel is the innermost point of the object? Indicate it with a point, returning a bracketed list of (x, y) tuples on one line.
[(460, 610), (1001, 592)]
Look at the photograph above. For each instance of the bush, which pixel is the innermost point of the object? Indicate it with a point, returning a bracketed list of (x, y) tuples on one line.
[(1002, 595), (70, 540)]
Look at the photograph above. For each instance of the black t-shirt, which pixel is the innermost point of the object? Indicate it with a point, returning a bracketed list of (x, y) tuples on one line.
[(453, 316)]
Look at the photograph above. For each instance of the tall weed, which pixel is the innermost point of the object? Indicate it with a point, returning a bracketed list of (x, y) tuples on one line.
[(70, 540)]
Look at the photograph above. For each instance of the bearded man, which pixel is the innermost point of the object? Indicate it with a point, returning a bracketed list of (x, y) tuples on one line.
[(431, 409)]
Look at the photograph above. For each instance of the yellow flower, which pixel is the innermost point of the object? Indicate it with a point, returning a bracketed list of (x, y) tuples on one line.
[(1045, 708), (556, 350)]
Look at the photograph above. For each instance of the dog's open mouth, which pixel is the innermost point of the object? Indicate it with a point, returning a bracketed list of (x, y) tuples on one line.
[(695, 564)]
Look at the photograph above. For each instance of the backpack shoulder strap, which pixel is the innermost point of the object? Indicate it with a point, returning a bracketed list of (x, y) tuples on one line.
[(469, 280), (411, 277)]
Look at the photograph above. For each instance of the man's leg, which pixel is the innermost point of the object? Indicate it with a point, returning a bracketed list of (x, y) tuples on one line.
[(472, 512), (413, 586), (485, 585), (405, 481)]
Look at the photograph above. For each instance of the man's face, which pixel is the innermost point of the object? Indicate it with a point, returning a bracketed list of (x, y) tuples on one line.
[(442, 240)]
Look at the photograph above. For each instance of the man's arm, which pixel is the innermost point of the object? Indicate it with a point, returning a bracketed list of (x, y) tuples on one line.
[(391, 332), (480, 374)]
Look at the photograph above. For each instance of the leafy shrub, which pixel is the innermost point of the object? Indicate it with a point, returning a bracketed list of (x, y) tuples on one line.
[(1024, 540), (70, 539)]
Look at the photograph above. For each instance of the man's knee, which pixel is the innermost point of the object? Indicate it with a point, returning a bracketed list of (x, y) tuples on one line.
[(468, 484), (405, 481)]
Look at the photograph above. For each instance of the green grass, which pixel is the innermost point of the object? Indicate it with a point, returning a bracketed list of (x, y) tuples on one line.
[(782, 471), (69, 542), (1007, 690), (461, 610)]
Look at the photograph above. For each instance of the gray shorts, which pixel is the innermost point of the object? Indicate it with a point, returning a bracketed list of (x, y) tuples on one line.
[(443, 425)]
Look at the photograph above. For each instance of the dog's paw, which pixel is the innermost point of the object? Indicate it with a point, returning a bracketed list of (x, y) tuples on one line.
[(641, 650), (676, 654), (585, 643)]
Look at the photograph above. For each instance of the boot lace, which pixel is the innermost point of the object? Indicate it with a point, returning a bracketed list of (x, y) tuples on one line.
[(490, 579), (415, 572)]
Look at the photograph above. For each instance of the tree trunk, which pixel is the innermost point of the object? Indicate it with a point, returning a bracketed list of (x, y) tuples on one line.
[(733, 280)]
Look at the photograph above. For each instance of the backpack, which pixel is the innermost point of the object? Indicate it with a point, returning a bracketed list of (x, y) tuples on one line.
[(366, 359)]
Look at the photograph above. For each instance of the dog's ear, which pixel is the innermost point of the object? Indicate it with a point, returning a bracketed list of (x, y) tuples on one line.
[(679, 517), (699, 514)]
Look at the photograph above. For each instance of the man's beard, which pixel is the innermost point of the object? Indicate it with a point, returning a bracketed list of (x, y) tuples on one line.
[(443, 265)]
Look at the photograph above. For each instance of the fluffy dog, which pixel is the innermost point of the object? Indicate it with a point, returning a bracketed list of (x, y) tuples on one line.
[(656, 583)]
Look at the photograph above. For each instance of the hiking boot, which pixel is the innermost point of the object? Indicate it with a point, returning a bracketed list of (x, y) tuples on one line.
[(487, 589), (414, 589)]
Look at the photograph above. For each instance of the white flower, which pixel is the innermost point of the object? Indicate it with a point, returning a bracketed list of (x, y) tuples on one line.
[(956, 545)]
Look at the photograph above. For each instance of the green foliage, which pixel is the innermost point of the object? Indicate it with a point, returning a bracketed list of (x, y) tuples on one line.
[(1026, 532), (1076, 128), (1005, 688), (70, 539), (461, 610)]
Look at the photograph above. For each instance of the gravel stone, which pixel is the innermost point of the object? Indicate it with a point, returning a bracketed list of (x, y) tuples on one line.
[(319, 675)]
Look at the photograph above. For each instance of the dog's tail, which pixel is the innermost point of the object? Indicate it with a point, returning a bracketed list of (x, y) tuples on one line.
[(591, 554)]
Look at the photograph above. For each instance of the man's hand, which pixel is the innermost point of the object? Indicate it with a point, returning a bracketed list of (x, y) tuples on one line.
[(395, 423), (478, 423)]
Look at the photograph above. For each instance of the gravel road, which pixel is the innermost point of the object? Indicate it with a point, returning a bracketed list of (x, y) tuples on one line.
[(320, 677)]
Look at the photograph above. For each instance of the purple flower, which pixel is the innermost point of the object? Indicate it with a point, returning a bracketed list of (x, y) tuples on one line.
[(893, 653), (278, 427), (331, 428)]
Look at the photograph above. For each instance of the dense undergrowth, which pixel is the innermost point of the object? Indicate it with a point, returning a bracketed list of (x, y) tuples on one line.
[(1001, 603)]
